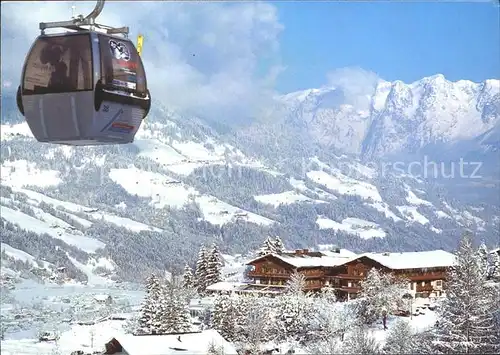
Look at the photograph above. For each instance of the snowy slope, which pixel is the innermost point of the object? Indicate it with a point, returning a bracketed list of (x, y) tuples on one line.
[(356, 226), (164, 191)]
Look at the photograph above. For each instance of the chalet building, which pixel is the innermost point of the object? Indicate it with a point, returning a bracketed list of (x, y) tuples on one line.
[(272, 271), (343, 270)]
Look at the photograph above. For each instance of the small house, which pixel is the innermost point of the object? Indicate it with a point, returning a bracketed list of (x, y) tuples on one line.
[(103, 299), (193, 343)]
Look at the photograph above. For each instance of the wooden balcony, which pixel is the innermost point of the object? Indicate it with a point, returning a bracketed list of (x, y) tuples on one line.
[(424, 288), (434, 275), (313, 273), (269, 274), (347, 277)]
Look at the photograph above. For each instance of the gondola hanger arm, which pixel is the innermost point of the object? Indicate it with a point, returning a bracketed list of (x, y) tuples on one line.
[(95, 12), (76, 23)]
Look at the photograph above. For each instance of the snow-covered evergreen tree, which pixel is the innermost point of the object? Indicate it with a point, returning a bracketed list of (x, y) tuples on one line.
[(484, 259), (400, 339), (201, 270), (225, 316), (332, 319), (425, 342), (254, 322), (381, 292), (294, 308), (214, 266), (268, 247), (174, 314), (359, 341), (466, 322), (296, 283), (188, 281), (214, 349), (495, 268), (150, 310), (279, 247), (328, 295), (131, 324)]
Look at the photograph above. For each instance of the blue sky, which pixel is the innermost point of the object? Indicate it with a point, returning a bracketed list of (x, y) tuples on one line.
[(404, 41), (230, 58)]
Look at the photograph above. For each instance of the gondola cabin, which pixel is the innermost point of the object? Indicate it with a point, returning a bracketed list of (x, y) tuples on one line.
[(83, 88)]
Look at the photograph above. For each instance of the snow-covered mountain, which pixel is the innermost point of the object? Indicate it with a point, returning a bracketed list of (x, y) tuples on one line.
[(394, 117), (112, 213)]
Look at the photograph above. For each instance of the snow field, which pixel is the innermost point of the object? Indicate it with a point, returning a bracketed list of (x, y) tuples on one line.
[(345, 185), (284, 198), (32, 224), (362, 228), (37, 197), (20, 173)]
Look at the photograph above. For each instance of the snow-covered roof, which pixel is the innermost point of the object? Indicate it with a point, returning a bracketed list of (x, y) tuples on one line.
[(341, 253), (497, 250), (191, 343), (226, 286), (101, 297), (315, 260), (412, 260), (395, 260)]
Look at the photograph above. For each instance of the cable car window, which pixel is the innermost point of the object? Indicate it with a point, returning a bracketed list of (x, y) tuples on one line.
[(59, 64), (121, 66)]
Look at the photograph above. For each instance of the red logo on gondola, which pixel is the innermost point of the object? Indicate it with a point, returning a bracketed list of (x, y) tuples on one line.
[(126, 64), (121, 127)]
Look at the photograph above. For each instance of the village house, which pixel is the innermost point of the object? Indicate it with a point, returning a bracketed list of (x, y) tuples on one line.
[(103, 299), (192, 343), (343, 270)]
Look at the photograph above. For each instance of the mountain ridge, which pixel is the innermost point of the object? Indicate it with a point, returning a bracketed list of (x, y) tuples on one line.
[(387, 109)]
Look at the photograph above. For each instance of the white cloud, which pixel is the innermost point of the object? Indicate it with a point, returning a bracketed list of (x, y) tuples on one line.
[(201, 57), (357, 85)]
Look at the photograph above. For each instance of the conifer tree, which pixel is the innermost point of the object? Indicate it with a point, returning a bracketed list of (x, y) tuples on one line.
[(400, 339), (483, 259), (380, 292), (225, 316), (268, 247), (174, 315), (188, 278), (296, 284), (279, 247), (294, 308), (201, 270), (495, 269), (466, 323), (360, 342), (214, 267), (150, 310)]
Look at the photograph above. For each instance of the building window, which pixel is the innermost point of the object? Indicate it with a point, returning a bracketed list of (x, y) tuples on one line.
[(439, 283)]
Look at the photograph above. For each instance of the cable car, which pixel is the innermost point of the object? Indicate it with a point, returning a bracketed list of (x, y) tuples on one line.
[(84, 87)]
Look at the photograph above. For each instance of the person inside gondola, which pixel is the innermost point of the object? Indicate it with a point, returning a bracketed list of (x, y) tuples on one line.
[(59, 80)]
